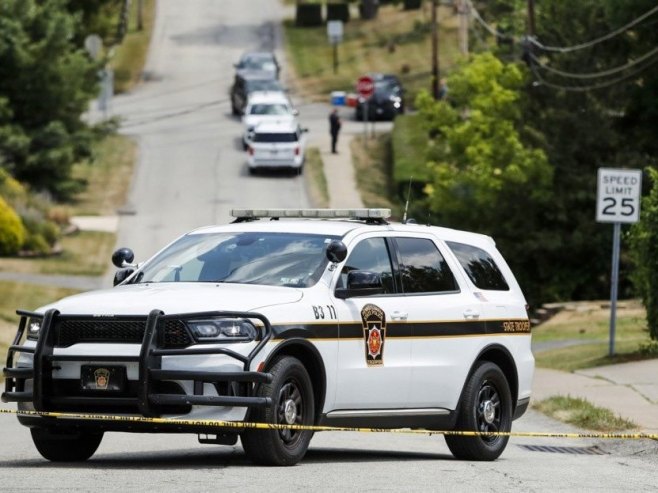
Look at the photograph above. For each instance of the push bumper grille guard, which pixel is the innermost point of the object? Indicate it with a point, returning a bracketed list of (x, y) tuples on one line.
[(150, 371)]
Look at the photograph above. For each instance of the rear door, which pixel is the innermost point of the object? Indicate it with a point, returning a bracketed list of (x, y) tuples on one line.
[(442, 314)]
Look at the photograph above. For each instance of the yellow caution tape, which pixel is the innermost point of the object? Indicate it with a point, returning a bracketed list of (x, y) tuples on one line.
[(242, 425)]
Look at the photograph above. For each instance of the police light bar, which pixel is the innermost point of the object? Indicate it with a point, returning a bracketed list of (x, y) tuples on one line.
[(380, 214)]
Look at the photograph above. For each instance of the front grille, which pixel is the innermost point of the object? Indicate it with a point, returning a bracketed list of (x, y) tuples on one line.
[(68, 332), (131, 331), (175, 335)]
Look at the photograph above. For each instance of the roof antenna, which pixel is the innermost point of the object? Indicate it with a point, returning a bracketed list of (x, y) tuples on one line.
[(406, 205)]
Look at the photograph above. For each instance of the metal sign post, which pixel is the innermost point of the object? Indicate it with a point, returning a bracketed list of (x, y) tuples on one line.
[(618, 201), (365, 87), (335, 34)]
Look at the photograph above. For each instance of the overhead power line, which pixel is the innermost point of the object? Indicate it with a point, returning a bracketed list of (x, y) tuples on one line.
[(567, 49), (591, 87), (489, 28), (594, 75)]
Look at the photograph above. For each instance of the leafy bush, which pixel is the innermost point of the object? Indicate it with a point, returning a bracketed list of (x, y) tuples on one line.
[(12, 232), (308, 15), (39, 220), (338, 12), (644, 252)]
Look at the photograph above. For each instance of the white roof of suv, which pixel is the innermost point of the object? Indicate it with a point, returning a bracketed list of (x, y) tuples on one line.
[(282, 126), (268, 97)]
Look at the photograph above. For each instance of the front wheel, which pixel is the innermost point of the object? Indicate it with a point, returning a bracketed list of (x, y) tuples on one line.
[(486, 407), (65, 446), (292, 403)]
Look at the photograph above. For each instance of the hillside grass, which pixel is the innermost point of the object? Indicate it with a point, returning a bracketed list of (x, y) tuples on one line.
[(130, 56), (396, 42), (586, 324)]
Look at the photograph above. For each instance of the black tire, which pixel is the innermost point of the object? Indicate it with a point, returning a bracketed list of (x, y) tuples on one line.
[(292, 403), (65, 446), (486, 406)]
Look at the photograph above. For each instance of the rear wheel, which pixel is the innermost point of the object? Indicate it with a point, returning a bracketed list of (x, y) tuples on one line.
[(486, 407), (65, 446), (292, 403)]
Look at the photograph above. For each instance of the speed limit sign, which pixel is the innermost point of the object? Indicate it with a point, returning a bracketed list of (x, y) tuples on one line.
[(618, 195)]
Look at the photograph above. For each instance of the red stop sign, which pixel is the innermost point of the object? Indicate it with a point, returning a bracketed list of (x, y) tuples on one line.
[(365, 86)]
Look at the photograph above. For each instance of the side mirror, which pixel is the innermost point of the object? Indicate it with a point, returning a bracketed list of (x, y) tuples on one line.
[(361, 283), (122, 275), (304, 129), (336, 251), (295, 112), (123, 257)]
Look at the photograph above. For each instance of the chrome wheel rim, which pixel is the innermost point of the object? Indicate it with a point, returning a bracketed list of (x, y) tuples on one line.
[(488, 411), (290, 411)]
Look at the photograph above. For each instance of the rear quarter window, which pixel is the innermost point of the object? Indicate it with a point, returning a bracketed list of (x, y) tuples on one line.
[(480, 267)]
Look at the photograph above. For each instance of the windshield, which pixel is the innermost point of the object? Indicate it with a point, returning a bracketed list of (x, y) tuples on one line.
[(263, 85), (258, 62), (269, 109), (273, 259)]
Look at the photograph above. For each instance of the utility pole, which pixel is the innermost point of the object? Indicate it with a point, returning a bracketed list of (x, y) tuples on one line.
[(463, 10), (140, 15), (531, 18), (435, 53)]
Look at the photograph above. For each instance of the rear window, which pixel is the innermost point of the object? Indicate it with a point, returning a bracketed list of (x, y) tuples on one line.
[(423, 268), (479, 266), (278, 137)]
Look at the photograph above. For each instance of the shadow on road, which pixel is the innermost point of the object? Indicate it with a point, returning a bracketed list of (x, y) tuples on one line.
[(221, 456)]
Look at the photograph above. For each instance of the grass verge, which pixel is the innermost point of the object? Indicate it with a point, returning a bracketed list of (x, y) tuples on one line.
[(409, 144), (372, 168), (316, 181), (130, 57), (107, 176), (86, 253), (583, 414), (585, 325), (396, 42)]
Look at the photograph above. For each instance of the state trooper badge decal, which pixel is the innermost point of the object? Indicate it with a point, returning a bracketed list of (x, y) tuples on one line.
[(374, 333), (102, 377)]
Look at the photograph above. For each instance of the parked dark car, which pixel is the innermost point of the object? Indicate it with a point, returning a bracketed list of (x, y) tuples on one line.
[(248, 82), (386, 102), (261, 61)]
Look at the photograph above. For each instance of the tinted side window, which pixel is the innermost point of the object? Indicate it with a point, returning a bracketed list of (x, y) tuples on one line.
[(479, 266), (371, 255), (422, 267)]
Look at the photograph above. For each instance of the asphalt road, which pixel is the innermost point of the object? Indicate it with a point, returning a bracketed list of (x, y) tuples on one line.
[(192, 169), (191, 172), (336, 461)]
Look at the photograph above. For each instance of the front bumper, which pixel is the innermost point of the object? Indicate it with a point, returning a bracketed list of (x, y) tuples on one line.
[(155, 392)]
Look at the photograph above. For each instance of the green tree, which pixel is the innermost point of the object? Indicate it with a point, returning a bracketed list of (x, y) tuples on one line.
[(486, 177), (584, 126), (644, 252), (46, 83)]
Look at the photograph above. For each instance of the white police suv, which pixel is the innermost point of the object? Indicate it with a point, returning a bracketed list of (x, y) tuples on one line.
[(292, 317)]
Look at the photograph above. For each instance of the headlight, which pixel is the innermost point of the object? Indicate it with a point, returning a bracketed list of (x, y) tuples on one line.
[(33, 328), (222, 330)]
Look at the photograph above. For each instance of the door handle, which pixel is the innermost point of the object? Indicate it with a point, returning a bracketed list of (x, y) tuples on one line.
[(471, 314), (398, 315)]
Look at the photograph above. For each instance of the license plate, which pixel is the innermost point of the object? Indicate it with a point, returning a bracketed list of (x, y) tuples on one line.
[(103, 378)]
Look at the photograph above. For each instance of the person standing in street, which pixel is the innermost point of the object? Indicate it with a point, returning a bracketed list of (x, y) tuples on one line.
[(334, 128)]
